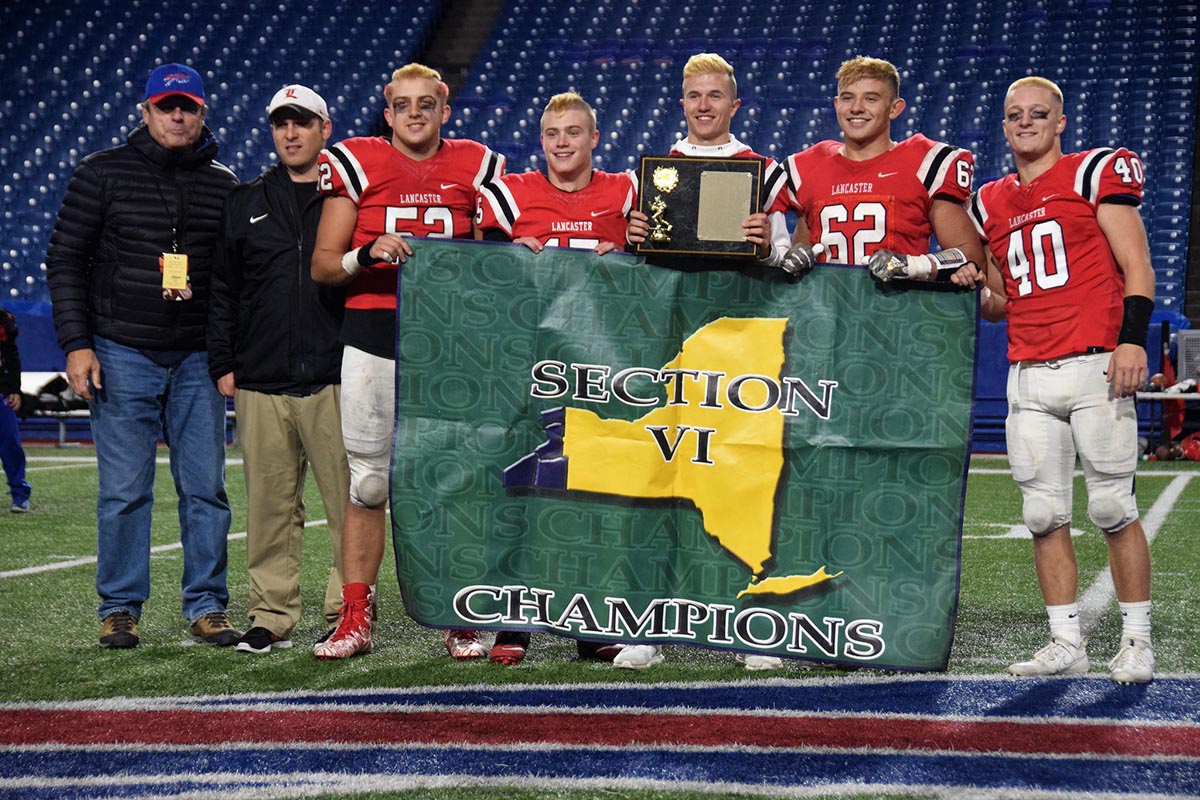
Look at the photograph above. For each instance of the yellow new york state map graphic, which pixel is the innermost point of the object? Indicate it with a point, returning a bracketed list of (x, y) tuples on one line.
[(735, 488)]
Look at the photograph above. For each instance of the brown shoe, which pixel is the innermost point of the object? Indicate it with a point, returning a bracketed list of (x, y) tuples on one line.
[(119, 631), (214, 628)]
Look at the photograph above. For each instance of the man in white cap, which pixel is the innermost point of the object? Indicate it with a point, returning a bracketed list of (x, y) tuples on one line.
[(129, 269), (273, 347)]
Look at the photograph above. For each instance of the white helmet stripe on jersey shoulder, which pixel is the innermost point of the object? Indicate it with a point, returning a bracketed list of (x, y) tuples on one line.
[(1091, 168), (977, 213), (490, 167), (349, 169), (937, 162), (774, 181), (503, 204)]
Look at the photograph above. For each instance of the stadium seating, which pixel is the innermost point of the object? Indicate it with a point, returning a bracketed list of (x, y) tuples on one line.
[(75, 72), (625, 56)]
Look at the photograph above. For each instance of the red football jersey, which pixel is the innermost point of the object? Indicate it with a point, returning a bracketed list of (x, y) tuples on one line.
[(529, 205), (396, 194), (857, 207), (1064, 287), (774, 182)]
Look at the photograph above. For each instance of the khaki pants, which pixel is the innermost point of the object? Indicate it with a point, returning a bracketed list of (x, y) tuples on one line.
[(281, 436)]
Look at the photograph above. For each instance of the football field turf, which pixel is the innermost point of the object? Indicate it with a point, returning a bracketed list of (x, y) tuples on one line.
[(47, 576)]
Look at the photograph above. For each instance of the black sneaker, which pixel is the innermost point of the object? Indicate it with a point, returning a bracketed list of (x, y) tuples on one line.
[(119, 631), (214, 628), (598, 651), (261, 640)]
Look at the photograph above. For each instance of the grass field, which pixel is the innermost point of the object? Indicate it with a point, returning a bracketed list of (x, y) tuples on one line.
[(47, 585), (47, 577)]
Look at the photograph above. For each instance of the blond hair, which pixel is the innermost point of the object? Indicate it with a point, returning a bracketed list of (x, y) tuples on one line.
[(415, 70), (867, 68), (566, 101), (1037, 82), (710, 64)]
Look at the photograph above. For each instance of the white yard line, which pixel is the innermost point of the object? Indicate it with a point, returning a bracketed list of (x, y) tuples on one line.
[(83, 562)]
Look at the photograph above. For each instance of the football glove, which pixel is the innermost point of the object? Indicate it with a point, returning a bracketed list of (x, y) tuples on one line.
[(800, 258), (886, 265)]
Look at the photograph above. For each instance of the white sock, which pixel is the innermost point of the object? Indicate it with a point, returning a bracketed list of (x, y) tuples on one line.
[(1064, 623), (1135, 620)]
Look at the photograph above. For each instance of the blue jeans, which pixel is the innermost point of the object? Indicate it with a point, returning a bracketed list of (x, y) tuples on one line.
[(147, 394), (12, 456)]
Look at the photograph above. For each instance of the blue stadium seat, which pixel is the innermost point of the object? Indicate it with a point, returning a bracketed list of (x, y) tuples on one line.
[(1129, 72)]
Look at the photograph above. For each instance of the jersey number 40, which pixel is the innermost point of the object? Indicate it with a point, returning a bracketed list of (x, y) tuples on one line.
[(1036, 255)]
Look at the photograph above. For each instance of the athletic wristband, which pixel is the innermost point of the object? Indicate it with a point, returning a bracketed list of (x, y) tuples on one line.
[(1136, 320), (358, 259)]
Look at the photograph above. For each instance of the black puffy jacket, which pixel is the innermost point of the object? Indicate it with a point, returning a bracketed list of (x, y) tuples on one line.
[(270, 324), (116, 221)]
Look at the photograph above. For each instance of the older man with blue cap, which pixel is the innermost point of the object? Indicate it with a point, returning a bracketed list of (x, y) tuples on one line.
[(129, 267)]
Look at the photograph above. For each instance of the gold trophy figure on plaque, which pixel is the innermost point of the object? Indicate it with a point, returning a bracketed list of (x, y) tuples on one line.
[(665, 180), (661, 232)]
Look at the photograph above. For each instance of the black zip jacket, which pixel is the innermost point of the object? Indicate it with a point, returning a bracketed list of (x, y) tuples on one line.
[(269, 323), (115, 222)]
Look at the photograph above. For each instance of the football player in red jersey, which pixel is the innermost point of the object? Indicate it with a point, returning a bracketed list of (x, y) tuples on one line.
[(379, 190), (571, 204), (709, 103), (1075, 279), (871, 200)]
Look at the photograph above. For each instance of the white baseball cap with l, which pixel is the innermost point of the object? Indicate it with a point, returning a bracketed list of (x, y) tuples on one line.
[(302, 99)]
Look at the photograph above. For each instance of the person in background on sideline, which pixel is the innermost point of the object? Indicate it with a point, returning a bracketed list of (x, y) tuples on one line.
[(12, 455)]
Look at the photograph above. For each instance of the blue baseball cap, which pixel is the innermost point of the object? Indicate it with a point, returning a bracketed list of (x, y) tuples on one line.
[(170, 79)]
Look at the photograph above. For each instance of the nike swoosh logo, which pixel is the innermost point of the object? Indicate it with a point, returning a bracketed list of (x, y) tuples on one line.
[(1049, 197), (449, 185), (886, 174), (597, 213), (258, 219)]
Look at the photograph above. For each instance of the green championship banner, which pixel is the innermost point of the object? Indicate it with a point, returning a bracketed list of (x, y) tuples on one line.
[(599, 448)]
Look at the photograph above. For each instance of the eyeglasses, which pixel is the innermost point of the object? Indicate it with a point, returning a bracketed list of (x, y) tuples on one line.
[(178, 101)]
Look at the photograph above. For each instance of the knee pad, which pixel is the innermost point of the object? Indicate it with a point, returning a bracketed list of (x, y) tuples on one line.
[(371, 491), (1041, 516), (1110, 512), (369, 479)]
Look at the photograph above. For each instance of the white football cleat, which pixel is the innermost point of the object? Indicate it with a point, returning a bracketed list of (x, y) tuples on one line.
[(639, 656), (759, 663), (1060, 657), (1133, 663), (464, 645)]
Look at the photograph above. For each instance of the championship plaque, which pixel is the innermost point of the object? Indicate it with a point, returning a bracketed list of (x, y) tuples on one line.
[(696, 205)]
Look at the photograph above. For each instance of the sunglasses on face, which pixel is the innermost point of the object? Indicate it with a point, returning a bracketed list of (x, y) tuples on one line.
[(184, 104)]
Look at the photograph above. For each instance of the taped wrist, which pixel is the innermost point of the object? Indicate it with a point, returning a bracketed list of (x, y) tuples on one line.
[(946, 262), (358, 259), (1136, 320)]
